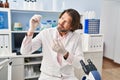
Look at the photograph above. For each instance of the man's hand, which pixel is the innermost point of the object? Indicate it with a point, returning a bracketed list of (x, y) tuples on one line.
[(58, 47), (34, 22)]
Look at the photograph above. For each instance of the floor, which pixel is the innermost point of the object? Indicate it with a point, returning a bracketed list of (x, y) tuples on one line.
[(111, 70)]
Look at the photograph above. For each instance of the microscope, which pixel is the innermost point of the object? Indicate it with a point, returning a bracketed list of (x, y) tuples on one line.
[(90, 70)]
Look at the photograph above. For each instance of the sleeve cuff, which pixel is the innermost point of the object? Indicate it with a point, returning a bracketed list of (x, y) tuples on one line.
[(70, 58)]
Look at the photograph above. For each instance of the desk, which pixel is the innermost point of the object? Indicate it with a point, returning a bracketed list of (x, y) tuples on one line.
[(96, 57), (17, 68)]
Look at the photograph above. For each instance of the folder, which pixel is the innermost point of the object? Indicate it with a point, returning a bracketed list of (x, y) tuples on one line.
[(1, 44), (6, 44), (1, 41), (6, 41)]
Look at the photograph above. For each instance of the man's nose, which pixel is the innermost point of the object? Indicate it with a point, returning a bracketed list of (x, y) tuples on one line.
[(62, 22)]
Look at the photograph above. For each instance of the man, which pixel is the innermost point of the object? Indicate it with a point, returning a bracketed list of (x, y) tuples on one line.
[(61, 46)]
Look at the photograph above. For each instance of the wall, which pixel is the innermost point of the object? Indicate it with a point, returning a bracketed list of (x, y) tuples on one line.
[(80, 5), (85, 5), (117, 41), (110, 15)]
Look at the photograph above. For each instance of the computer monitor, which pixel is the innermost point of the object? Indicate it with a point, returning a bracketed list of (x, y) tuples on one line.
[(17, 39)]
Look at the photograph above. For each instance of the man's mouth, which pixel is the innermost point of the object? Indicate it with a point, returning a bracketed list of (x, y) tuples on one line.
[(62, 30)]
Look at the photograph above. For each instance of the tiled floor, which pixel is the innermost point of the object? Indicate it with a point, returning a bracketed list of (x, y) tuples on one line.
[(111, 70)]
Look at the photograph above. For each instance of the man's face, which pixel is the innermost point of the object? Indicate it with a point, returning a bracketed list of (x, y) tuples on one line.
[(64, 23)]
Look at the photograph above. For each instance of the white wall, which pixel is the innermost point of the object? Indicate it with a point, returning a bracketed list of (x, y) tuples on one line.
[(80, 5), (117, 39), (110, 15), (85, 5)]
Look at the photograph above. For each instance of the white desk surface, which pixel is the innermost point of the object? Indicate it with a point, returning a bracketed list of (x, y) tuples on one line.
[(12, 55)]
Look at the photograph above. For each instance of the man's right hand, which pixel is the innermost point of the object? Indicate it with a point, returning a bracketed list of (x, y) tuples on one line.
[(34, 22)]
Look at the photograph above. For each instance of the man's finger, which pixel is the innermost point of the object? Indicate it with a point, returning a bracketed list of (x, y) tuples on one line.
[(60, 43)]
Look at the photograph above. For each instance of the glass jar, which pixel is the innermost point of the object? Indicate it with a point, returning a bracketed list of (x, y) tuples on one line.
[(6, 4)]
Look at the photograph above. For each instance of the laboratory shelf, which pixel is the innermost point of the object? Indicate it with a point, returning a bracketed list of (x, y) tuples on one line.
[(33, 62), (31, 77)]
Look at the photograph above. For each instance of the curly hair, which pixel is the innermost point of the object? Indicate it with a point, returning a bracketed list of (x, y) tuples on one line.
[(75, 24)]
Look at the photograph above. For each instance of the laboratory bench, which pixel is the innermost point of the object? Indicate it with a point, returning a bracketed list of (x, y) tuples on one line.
[(27, 67), (23, 67)]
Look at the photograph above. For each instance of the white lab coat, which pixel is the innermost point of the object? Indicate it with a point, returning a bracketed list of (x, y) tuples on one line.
[(50, 66)]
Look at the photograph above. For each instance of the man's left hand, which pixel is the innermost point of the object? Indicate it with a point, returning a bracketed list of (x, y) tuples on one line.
[(58, 47)]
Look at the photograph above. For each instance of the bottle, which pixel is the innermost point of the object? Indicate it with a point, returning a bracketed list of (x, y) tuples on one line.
[(14, 4), (34, 3), (6, 4), (49, 23), (25, 4), (54, 5), (17, 26), (54, 23), (43, 25), (1, 3)]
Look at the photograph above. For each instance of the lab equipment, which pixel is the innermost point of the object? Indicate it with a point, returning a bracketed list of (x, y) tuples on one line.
[(92, 26), (43, 25), (34, 22), (92, 42), (17, 26), (90, 71), (54, 23), (49, 23), (1, 3), (6, 4)]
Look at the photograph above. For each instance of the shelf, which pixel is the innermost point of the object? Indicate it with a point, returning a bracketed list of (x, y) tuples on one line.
[(32, 55), (92, 51), (23, 31), (4, 9), (33, 11), (33, 62), (13, 55), (27, 60), (30, 77), (5, 31)]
